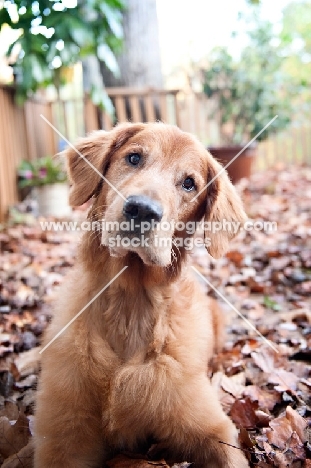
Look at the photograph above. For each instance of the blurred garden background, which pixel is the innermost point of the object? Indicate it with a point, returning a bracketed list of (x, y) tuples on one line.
[(238, 76), (219, 71)]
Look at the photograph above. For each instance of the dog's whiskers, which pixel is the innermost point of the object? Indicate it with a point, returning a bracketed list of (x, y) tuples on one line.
[(97, 212), (93, 236), (174, 243), (98, 207)]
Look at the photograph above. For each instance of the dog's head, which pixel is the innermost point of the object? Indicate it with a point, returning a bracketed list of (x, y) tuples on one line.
[(148, 182)]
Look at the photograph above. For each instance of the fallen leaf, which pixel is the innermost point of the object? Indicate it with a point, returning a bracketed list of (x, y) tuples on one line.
[(22, 459), (234, 385), (263, 418), (243, 413), (28, 362), (122, 461), (267, 399), (280, 433), (298, 423), (235, 256), (265, 360), (13, 437), (10, 411), (285, 380)]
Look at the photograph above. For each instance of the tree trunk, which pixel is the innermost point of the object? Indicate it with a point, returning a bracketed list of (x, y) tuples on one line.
[(140, 61)]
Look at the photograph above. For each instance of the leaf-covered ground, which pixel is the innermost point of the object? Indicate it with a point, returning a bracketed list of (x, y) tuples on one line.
[(266, 276)]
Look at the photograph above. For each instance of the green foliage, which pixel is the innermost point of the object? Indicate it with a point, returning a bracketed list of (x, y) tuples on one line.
[(296, 24), (252, 89), (54, 36), (296, 41), (270, 304), (42, 171)]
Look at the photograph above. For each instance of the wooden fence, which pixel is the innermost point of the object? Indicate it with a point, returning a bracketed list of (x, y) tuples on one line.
[(291, 146), (25, 135)]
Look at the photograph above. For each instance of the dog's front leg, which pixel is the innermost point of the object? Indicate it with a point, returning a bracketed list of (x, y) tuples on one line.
[(198, 431), (68, 427)]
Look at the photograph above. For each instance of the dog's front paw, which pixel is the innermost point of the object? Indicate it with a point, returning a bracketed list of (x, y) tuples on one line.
[(234, 454), (237, 459)]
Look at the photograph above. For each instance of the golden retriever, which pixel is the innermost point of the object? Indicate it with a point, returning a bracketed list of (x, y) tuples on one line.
[(133, 366)]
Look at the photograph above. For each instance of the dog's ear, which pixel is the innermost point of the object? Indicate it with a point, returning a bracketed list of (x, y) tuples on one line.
[(88, 159), (223, 205)]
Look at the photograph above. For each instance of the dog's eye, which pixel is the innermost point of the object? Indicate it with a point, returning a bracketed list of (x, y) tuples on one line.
[(188, 184), (133, 158)]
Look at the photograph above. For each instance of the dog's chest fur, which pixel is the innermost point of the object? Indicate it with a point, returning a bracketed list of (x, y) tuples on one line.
[(135, 323)]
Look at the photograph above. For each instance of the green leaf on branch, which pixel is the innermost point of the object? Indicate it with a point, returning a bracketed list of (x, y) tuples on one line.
[(93, 27)]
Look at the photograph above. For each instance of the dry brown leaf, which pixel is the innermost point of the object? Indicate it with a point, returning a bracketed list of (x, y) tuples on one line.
[(263, 418), (256, 285), (285, 380), (297, 422), (13, 437), (245, 440), (264, 359), (235, 256), (22, 459), (288, 434), (28, 362), (280, 433), (267, 399), (122, 461), (10, 411), (243, 413), (250, 346), (296, 446), (234, 385), (281, 460), (263, 464)]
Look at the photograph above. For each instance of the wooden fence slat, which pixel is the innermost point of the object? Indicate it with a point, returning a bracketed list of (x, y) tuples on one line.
[(181, 111), (52, 135), (65, 114), (163, 107), (120, 109), (135, 109), (114, 92), (29, 130), (8, 167), (150, 109), (4, 198), (90, 116), (304, 143), (107, 121)]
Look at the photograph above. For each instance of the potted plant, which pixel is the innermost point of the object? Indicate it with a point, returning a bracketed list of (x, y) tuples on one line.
[(48, 179), (246, 92)]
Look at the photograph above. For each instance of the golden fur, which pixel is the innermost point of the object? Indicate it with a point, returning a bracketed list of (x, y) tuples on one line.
[(133, 366)]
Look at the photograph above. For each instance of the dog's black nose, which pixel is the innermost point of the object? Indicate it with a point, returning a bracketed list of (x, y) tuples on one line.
[(142, 208)]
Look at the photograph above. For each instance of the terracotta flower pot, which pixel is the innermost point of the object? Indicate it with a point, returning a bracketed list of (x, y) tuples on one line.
[(241, 166)]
